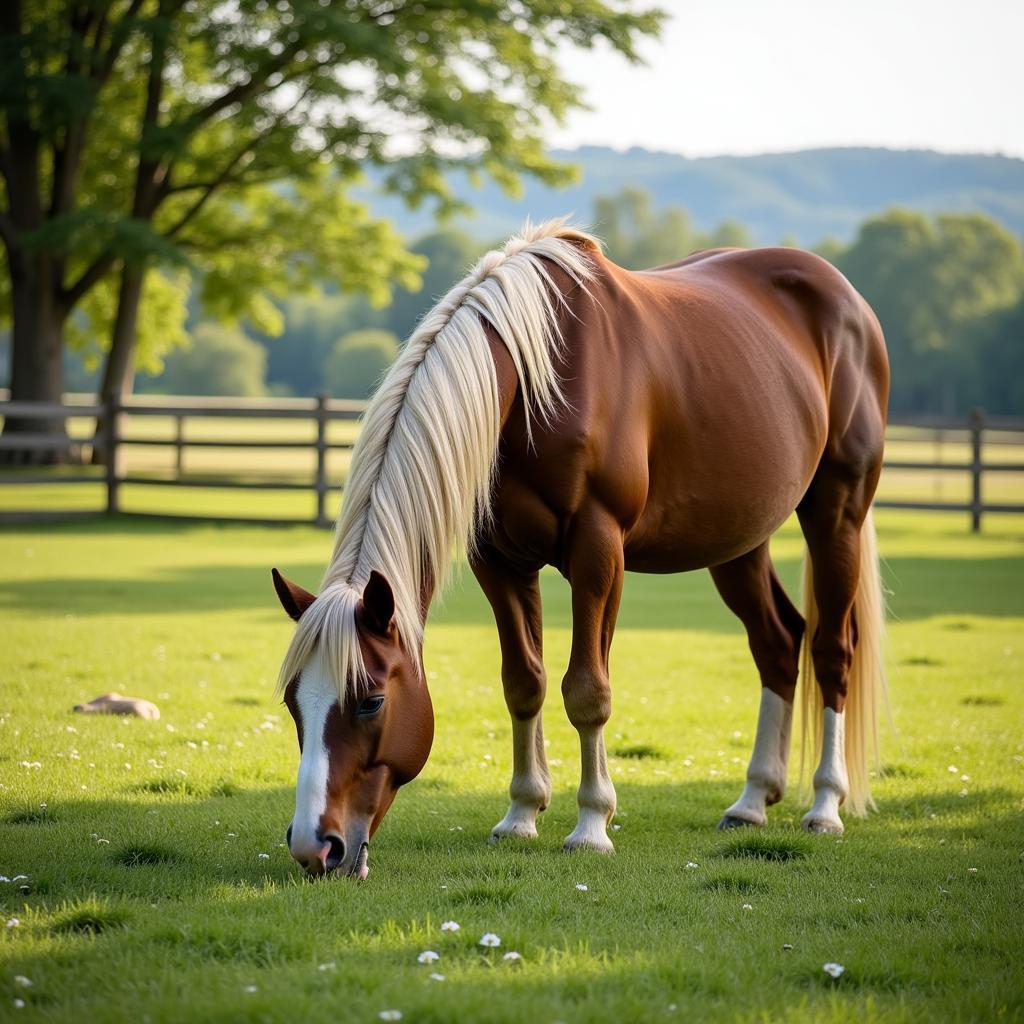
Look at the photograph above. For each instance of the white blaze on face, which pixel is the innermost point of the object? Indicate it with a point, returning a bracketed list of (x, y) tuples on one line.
[(315, 696)]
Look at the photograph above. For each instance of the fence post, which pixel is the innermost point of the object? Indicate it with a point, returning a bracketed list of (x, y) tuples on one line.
[(110, 443), (977, 426), (179, 444), (321, 461)]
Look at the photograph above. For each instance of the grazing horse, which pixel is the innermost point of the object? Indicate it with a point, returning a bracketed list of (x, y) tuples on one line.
[(555, 409)]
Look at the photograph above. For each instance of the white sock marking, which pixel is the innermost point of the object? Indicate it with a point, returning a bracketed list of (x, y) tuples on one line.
[(830, 782), (766, 775)]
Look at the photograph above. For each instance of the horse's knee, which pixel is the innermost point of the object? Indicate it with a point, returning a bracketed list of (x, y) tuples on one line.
[(525, 686), (588, 698)]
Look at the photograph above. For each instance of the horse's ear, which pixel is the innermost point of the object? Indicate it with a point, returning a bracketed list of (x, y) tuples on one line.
[(294, 600), (378, 604)]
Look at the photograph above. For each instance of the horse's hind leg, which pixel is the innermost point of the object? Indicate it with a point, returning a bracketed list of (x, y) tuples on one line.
[(832, 515), (515, 600), (751, 589)]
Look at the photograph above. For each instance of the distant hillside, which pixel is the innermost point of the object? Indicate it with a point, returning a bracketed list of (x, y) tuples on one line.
[(806, 195)]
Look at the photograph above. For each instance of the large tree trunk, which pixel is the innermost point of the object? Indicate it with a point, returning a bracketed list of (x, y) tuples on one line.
[(119, 368), (37, 367)]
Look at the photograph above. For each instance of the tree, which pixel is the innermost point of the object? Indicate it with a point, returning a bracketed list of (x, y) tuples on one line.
[(217, 360), (933, 283), (638, 236), (223, 137), (448, 255), (358, 361)]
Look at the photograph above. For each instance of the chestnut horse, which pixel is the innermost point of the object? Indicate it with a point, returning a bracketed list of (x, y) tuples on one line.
[(555, 409)]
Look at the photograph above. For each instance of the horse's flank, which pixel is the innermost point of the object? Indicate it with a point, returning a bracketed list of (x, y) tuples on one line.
[(421, 474)]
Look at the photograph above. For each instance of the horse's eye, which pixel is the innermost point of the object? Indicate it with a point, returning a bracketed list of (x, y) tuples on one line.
[(370, 706)]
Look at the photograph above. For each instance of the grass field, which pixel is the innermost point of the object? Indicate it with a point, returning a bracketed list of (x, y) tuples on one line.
[(159, 888)]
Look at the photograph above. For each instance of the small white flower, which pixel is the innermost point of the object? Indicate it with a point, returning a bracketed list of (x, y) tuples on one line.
[(327, 966), (19, 1004), (428, 956), (490, 940), (21, 981), (787, 946), (690, 864), (952, 769), (833, 970), (13, 922), (250, 989), (512, 955), (747, 906), (450, 926), (582, 887), (264, 856), (455, 828), (436, 977), (972, 871), (390, 1014)]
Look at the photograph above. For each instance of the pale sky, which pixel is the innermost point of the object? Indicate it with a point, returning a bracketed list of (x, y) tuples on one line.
[(750, 76)]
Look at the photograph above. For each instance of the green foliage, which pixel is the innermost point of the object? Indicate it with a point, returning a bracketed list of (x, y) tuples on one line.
[(638, 236), (218, 360), (226, 137), (936, 285), (358, 361)]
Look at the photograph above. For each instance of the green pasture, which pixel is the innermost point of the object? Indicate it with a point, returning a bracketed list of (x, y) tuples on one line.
[(158, 887)]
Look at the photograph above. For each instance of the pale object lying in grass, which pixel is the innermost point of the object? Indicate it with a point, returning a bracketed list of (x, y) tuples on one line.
[(115, 704)]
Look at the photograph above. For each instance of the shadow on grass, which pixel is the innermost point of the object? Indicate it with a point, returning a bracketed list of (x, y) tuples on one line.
[(921, 588)]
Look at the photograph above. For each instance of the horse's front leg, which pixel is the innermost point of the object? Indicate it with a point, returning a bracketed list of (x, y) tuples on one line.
[(594, 567), (515, 600)]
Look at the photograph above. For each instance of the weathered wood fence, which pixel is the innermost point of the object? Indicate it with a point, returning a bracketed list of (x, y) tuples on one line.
[(113, 441)]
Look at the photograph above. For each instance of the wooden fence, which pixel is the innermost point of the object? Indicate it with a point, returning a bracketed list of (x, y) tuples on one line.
[(113, 441)]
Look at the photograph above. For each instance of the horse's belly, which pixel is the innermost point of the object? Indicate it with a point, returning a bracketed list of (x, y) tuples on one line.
[(706, 507)]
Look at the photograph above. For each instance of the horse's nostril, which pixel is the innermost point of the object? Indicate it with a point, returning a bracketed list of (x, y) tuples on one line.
[(336, 854)]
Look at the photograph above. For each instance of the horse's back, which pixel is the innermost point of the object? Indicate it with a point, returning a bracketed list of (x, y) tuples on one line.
[(702, 396)]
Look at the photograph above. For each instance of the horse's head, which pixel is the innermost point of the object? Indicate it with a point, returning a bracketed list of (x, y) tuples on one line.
[(354, 754)]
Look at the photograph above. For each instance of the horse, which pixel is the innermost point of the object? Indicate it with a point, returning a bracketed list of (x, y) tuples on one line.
[(554, 409)]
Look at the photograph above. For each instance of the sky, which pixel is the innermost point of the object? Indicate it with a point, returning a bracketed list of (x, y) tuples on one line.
[(753, 76)]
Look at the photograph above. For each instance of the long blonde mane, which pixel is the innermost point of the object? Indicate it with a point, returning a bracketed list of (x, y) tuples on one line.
[(419, 486)]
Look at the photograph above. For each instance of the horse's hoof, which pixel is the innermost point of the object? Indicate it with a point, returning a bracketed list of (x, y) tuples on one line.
[(730, 821), (498, 833), (822, 826), (589, 841)]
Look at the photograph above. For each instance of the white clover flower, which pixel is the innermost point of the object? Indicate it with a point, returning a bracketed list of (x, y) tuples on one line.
[(450, 926), (512, 955), (390, 1014), (972, 871), (490, 940), (747, 906), (13, 922), (833, 970), (329, 966), (250, 989), (264, 856), (436, 977), (20, 981), (428, 956), (690, 864), (19, 1004), (582, 887)]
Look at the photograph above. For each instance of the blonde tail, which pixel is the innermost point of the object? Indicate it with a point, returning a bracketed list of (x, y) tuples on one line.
[(867, 688)]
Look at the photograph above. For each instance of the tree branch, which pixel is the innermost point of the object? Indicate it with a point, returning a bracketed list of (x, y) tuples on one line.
[(92, 275), (8, 232)]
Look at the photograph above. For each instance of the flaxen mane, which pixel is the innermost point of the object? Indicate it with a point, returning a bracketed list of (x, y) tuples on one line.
[(420, 479)]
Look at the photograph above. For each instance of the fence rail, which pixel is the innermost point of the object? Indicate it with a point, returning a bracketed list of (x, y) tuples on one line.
[(111, 442)]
